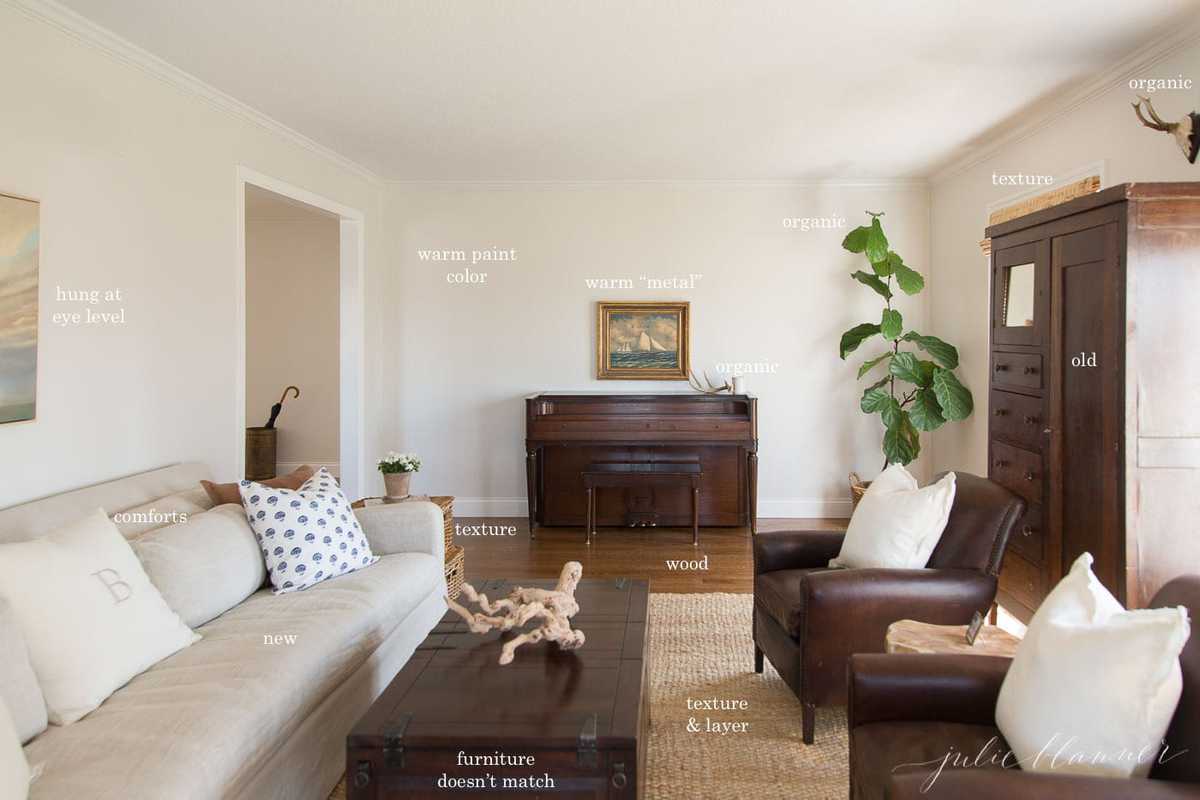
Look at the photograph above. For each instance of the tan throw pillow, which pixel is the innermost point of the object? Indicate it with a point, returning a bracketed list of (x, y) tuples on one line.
[(205, 566), (222, 493)]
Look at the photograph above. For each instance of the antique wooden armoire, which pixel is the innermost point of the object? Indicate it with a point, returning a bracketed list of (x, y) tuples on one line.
[(1095, 388)]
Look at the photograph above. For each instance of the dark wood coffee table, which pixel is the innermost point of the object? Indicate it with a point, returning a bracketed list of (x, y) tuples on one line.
[(453, 722)]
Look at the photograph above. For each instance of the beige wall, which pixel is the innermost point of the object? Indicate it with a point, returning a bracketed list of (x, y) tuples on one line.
[(769, 294), (292, 329), (137, 181), (1102, 129)]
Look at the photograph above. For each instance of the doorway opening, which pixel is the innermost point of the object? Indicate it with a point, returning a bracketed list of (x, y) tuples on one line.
[(300, 319)]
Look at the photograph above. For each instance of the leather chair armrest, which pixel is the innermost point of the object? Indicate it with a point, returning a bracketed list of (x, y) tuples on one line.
[(775, 550), (855, 599), (1005, 784), (933, 688)]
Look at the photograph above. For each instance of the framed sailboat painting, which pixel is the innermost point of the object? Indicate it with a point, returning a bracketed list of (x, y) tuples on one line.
[(642, 341)]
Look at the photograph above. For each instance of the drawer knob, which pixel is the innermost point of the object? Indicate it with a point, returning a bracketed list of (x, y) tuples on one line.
[(1027, 530), (1000, 463), (1029, 371), (1031, 419), (1029, 475), (1001, 367), (999, 412)]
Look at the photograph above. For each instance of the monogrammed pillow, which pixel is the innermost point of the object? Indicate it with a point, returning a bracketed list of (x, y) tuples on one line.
[(307, 535), (91, 618)]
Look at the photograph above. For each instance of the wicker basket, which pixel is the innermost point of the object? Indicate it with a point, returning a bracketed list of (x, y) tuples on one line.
[(858, 487), (455, 570), (446, 504)]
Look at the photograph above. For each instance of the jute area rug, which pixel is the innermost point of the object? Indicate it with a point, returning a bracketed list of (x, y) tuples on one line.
[(700, 648)]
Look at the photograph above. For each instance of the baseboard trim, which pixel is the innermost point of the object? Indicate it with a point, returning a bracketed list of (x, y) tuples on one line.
[(790, 507)]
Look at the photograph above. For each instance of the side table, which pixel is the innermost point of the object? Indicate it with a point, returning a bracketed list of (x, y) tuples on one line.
[(910, 636), (455, 554)]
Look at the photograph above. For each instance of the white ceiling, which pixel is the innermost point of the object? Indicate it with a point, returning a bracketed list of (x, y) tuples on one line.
[(640, 89)]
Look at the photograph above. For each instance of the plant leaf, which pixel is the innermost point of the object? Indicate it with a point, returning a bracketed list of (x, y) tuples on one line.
[(874, 399), (954, 398), (891, 325), (877, 243), (901, 443), (852, 338), (856, 240), (870, 365), (867, 279), (909, 280), (946, 355), (882, 268), (907, 367), (891, 413), (925, 412)]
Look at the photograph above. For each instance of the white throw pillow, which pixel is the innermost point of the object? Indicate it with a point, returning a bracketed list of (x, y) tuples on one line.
[(14, 768), (897, 525), (1092, 687), (204, 566), (307, 535), (90, 617)]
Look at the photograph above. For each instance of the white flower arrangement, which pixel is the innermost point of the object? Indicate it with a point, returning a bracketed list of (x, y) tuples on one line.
[(399, 462)]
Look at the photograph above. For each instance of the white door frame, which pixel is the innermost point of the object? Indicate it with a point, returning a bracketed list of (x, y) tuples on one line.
[(350, 323)]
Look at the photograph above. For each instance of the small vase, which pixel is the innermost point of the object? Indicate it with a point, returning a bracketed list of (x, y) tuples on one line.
[(396, 484)]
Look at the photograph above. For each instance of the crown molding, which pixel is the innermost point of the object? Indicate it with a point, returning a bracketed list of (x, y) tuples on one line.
[(84, 30), (1045, 112), (500, 185)]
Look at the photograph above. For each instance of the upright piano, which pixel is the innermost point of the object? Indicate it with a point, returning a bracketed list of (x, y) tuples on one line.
[(566, 433)]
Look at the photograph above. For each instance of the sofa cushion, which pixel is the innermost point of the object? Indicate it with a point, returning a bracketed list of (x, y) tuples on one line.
[(205, 566), (19, 689), (208, 718), (884, 749), (781, 595), (169, 510), (90, 616), (14, 769)]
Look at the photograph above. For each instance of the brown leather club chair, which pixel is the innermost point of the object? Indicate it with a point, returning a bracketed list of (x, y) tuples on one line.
[(913, 709), (808, 618)]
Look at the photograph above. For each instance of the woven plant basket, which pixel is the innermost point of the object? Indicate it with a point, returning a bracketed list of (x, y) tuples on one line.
[(456, 558), (858, 487)]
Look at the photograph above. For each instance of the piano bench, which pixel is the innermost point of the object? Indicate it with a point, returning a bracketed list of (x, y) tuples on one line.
[(635, 474)]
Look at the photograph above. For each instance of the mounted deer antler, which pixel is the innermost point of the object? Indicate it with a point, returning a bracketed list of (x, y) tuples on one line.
[(694, 382), (1186, 131)]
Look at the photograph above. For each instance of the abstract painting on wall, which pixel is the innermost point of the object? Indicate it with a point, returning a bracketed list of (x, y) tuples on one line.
[(18, 308), (642, 341)]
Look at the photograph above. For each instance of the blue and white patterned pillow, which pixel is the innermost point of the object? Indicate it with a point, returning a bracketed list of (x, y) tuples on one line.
[(307, 535)]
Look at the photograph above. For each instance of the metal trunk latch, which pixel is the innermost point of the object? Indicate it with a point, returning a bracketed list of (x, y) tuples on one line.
[(587, 754), (393, 740)]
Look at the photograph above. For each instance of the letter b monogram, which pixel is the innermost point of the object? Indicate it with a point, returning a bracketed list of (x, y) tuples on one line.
[(119, 589)]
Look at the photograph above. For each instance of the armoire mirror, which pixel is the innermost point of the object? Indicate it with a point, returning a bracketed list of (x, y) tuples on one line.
[(1018, 296)]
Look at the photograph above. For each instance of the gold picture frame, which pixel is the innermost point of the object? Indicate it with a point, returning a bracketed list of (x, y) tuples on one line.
[(643, 341)]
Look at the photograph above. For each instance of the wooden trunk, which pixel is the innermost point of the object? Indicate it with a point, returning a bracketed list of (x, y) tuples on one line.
[(582, 716), (566, 433), (1092, 405)]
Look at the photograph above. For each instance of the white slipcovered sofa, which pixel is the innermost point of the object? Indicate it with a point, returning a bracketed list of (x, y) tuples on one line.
[(261, 705)]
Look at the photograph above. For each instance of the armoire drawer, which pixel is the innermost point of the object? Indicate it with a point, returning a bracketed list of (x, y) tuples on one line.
[(1028, 537), (1017, 469), (1021, 370), (1017, 418), (1022, 580)]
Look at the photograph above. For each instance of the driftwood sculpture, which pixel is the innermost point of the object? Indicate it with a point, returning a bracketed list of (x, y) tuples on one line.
[(552, 607)]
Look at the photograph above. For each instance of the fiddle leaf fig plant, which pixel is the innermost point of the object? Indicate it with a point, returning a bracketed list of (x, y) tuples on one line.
[(919, 390)]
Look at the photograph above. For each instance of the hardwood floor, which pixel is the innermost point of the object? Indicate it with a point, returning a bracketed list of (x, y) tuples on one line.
[(625, 552)]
